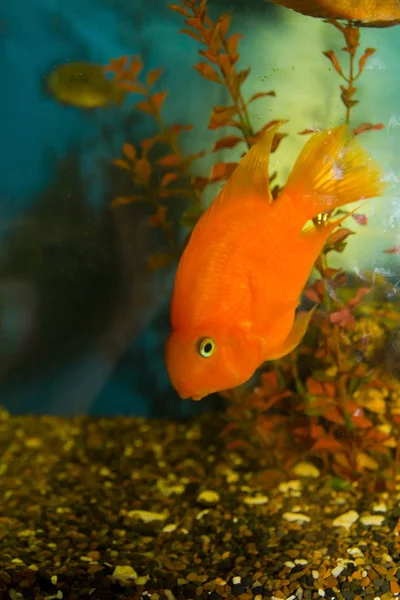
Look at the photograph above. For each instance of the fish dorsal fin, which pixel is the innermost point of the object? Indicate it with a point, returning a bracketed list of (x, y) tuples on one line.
[(250, 179)]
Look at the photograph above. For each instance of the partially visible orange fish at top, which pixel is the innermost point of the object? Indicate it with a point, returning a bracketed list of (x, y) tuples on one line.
[(367, 13), (240, 277)]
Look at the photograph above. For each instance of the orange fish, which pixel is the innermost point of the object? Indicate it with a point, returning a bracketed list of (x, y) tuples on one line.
[(248, 259), (367, 13)]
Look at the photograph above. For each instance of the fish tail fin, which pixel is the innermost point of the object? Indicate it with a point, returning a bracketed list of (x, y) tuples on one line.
[(332, 170)]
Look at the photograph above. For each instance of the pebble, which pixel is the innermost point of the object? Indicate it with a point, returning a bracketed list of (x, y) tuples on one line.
[(336, 571), (124, 575), (347, 519), (355, 552), (208, 497), (296, 517), (369, 520), (380, 507), (293, 486), (146, 516), (306, 469), (255, 500), (169, 528)]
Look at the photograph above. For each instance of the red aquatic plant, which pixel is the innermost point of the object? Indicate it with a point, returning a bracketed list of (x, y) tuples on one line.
[(351, 34), (328, 401)]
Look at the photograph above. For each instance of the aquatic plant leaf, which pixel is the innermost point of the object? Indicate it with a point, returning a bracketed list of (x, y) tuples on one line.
[(159, 218), (171, 160), (342, 317), (230, 141), (232, 45), (237, 445), (129, 151), (209, 55), (361, 292), (200, 182), (192, 34), (132, 86), (334, 60), (329, 273), (122, 163), (148, 143), (363, 60), (228, 428), (361, 219), (136, 66), (340, 279), (346, 96), (364, 127), (241, 77), (117, 65), (224, 23), (179, 9), (176, 128), (142, 170), (261, 95), (359, 419), (221, 116), (158, 261), (366, 462), (157, 100), (208, 72), (226, 65), (122, 200), (315, 387), (309, 131), (312, 295), (153, 76), (337, 238), (334, 416), (145, 107), (394, 250), (222, 171), (328, 444), (168, 178)]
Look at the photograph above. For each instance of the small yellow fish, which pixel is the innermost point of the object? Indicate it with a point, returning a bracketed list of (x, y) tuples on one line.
[(84, 85), (367, 13)]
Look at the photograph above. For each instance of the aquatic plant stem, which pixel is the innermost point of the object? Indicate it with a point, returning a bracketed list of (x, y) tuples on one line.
[(164, 226), (351, 34), (237, 98), (171, 139)]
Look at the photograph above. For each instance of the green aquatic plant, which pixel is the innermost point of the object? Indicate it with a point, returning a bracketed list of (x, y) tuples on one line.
[(329, 401)]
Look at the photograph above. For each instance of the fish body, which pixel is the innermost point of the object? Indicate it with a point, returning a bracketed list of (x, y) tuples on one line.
[(367, 13), (84, 85), (240, 277)]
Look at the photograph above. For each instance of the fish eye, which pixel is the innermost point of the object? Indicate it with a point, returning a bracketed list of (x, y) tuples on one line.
[(206, 347)]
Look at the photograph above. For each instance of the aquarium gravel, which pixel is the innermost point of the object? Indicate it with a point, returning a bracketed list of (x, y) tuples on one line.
[(126, 508)]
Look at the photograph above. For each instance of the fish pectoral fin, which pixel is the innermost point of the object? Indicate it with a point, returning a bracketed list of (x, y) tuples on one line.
[(295, 336)]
